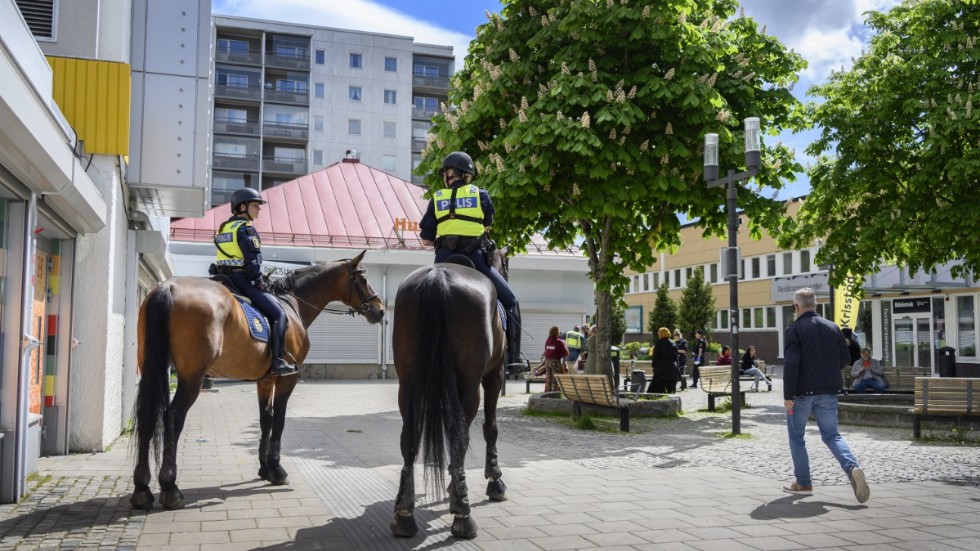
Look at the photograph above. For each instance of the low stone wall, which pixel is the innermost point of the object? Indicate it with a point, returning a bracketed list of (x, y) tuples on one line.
[(876, 410), (346, 371), (554, 402)]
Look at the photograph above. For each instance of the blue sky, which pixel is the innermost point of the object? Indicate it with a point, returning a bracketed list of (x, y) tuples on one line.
[(828, 33)]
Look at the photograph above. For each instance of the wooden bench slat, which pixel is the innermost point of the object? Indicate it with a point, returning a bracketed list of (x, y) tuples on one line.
[(945, 397)]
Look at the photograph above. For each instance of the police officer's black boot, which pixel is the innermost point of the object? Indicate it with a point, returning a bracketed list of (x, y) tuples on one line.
[(278, 344), (514, 359)]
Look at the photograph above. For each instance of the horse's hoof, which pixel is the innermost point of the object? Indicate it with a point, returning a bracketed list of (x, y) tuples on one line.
[(497, 490), (278, 476), (492, 472), (264, 472), (404, 527), (142, 498), (463, 528), (172, 499)]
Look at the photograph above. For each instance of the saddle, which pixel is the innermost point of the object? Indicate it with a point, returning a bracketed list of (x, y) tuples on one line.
[(230, 285), (258, 324)]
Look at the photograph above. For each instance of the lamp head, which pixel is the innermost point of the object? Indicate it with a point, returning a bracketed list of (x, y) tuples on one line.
[(752, 141), (710, 157)]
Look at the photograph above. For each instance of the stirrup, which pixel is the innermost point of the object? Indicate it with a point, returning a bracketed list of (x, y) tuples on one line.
[(282, 369)]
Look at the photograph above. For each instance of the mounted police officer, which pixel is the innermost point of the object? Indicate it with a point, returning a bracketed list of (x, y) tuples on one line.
[(239, 256), (457, 221)]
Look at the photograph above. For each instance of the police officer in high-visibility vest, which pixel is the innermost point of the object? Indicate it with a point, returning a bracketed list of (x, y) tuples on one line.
[(575, 341), (456, 222), (239, 256)]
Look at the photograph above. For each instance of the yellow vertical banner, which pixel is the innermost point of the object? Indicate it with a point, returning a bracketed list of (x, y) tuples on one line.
[(846, 304)]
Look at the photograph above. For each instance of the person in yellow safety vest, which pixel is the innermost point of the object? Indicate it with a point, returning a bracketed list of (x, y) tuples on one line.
[(456, 222), (239, 256), (575, 341)]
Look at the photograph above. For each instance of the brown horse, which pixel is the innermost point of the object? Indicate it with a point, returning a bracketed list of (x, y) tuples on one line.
[(448, 339), (197, 326)]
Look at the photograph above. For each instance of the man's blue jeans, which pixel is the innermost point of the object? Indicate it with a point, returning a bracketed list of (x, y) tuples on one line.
[(824, 408), (863, 385)]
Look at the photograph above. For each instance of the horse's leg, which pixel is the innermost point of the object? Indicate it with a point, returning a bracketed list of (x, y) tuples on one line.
[(142, 497), (403, 524), (459, 502), (264, 392), (272, 424), (185, 396), (496, 489)]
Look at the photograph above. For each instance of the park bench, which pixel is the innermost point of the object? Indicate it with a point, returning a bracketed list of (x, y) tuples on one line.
[(717, 382), (901, 379), (957, 397), (626, 370), (595, 390)]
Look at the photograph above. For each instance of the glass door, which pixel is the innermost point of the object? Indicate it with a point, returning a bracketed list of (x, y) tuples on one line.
[(913, 341)]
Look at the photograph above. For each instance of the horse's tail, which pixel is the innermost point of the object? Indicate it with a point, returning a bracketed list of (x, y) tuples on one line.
[(153, 395), (438, 415)]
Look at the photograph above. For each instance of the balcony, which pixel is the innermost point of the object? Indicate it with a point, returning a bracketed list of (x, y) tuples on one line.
[(285, 96), (289, 130), (418, 144), (250, 57), (287, 61), (233, 161), (284, 165), (424, 114), (439, 83), (249, 92), (236, 126)]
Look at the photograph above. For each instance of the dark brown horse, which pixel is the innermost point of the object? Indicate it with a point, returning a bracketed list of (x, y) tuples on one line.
[(448, 339), (196, 326)]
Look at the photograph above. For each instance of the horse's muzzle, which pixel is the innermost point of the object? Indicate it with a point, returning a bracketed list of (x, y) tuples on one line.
[(371, 313)]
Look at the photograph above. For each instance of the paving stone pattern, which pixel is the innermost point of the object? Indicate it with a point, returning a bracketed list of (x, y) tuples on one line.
[(669, 484)]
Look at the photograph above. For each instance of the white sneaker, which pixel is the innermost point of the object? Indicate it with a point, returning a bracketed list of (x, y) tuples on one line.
[(860, 484)]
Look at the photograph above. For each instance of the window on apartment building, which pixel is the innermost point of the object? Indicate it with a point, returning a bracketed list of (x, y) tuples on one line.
[(741, 269), (390, 129), (770, 266), (646, 281), (770, 316), (713, 271), (318, 157), (318, 123), (804, 262), (391, 64), (756, 268), (388, 163), (688, 272), (233, 80), (677, 278), (390, 96), (758, 318), (354, 93), (722, 319), (966, 326), (426, 70), (40, 17), (356, 61), (656, 280), (230, 46), (320, 57), (230, 114), (354, 126), (787, 263), (318, 89), (426, 103), (746, 319)]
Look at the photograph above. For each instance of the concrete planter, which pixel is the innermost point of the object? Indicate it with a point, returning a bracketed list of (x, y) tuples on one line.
[(553, 402)]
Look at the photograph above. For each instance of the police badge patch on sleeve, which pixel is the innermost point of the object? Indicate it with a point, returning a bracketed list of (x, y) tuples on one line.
[(255, 243)]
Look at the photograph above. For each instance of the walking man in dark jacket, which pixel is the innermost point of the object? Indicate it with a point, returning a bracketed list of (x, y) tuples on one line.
[(814, 355)]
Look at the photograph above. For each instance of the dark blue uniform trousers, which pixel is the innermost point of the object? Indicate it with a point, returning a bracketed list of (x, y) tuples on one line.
[(504, 293)]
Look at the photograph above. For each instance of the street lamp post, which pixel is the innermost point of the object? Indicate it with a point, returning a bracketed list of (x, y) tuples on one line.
[(752, 162)]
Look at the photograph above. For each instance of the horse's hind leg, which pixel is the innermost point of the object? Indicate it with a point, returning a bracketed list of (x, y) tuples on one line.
[(403, 524), (142, 497), (459, 503), (272, 424), (185, 396), (496, 489)]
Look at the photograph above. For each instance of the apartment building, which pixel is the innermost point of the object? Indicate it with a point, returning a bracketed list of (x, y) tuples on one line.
[(291, 99), (905, 318)]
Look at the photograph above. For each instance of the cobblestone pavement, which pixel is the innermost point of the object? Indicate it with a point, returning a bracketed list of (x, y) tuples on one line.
[(670, 484)]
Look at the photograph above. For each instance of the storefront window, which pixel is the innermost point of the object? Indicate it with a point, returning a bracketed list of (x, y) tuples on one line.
[(966, 326)]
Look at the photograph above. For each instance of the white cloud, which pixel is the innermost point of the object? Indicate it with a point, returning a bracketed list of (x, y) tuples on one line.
[(362, 15)]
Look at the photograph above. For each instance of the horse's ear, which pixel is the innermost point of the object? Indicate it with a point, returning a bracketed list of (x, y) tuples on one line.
[(357, 259), (505, 250)]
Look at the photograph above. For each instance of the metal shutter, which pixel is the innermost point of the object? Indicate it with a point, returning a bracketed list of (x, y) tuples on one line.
[(343, 340), (536, 326)]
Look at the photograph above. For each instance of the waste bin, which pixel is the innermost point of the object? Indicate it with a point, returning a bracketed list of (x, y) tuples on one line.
[(947, 361)]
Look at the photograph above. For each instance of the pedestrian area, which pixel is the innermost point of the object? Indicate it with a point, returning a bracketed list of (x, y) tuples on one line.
[(670, 484)]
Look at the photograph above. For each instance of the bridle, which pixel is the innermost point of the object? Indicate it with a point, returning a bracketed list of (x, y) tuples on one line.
[(352, 274)]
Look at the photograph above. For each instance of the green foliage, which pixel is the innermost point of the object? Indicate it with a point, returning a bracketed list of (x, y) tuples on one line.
[(586, 122), (585, 422), (664, 312), (618, 326), (898, 163), (697, 307), (632, 350)]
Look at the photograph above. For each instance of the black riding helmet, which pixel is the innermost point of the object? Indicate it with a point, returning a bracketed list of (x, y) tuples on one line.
[(244, 195), (459, 161)]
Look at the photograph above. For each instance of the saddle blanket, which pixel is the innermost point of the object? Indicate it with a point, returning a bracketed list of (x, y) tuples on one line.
[(258, 326), (503, 314)]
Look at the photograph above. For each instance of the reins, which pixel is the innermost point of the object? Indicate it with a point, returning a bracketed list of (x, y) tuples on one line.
[(351, 273)]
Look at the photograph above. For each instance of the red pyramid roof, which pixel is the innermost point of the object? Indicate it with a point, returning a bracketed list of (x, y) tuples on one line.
[(347, 204)]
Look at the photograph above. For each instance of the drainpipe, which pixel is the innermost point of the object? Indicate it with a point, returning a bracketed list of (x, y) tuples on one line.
[(384, 325)]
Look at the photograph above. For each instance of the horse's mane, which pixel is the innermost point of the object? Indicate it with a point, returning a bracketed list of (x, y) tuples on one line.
[(294, 279)]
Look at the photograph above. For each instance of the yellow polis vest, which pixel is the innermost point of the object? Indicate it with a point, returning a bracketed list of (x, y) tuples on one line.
[(573, 339), (226, 240), (465, 218)]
